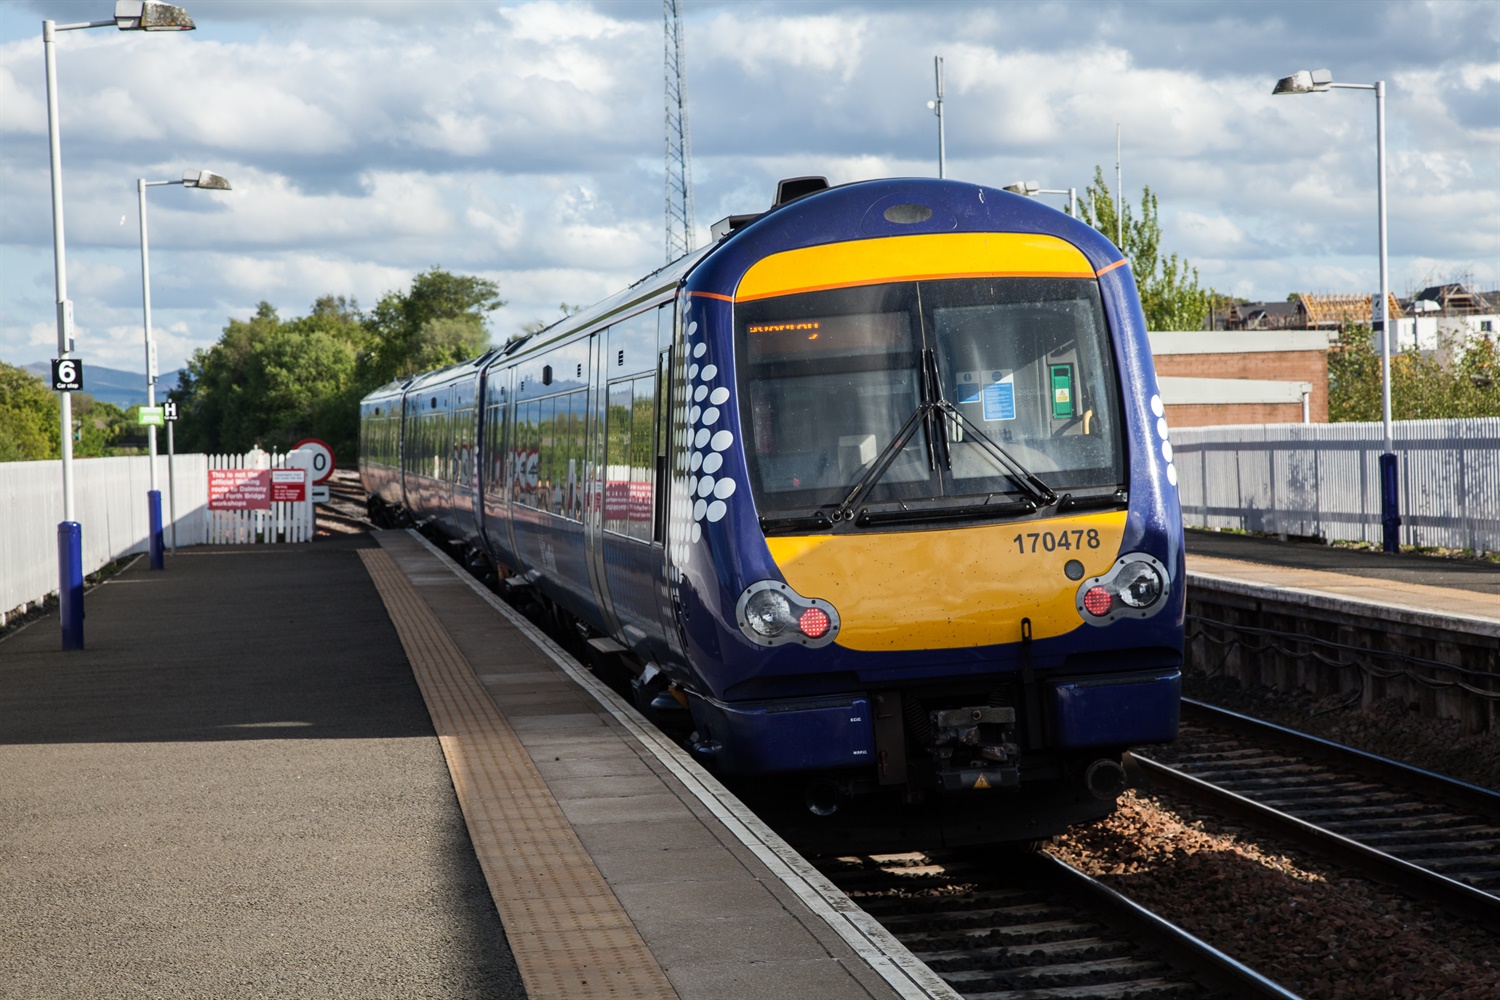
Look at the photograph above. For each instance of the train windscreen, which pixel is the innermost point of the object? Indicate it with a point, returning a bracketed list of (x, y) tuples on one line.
[(914, 394)]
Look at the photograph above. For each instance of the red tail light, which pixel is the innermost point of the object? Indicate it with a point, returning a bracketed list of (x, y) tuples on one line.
[(813, 623), (1097, 601)]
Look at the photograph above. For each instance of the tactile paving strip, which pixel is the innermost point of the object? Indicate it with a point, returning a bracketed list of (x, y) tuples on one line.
[(571, 937)]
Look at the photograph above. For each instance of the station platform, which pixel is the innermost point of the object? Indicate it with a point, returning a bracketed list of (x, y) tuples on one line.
[(1457, 594), (345, 769)]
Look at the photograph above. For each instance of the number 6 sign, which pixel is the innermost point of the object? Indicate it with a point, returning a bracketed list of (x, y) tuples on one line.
[(322, 458), (67, 374)]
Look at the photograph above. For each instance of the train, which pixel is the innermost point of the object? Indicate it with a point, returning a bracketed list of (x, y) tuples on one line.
[(874, 494)]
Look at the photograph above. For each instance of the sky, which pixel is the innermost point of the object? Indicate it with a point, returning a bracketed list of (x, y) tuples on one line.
[(367, 141)]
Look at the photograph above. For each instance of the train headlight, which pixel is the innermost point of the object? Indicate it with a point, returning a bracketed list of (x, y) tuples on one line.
[(1134, 587), (771, 613), (1140, 585)]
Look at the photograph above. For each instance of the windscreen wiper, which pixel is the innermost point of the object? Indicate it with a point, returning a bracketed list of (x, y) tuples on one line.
[(1039, 491), (882, 462)]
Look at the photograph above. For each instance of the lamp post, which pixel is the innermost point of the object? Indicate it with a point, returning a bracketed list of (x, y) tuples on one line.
[(130, 15), (1031, 189), (937, 109), (208, 180), (1316, 82)]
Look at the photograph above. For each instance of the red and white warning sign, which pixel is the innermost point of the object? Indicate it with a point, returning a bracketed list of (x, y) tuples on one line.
[(288, 485), (239, 489), (322, 458)]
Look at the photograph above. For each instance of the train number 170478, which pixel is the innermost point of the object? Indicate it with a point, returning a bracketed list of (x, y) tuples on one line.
[(1048, 541)]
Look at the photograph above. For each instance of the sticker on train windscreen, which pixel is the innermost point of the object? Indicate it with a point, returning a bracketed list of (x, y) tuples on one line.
[(993, 391)]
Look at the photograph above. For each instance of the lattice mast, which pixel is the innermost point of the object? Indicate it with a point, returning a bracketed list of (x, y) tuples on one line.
[(678, 141)]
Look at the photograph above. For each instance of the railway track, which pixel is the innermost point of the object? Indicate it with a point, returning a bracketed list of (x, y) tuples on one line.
[(344, 512), (1429, 835), (1013, 926)]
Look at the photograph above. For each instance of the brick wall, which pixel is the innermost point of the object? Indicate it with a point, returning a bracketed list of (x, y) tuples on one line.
[(1281, 366)]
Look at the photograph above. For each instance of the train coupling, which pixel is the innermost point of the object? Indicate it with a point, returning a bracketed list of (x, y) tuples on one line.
[(976, 747)]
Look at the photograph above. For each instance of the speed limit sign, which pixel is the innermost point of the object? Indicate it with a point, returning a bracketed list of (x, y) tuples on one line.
[(67, 374), (322, 458)]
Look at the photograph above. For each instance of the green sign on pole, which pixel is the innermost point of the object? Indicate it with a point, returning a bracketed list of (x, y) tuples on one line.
[(150, 416)]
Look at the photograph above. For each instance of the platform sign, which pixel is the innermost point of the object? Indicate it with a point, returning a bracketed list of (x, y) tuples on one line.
[(150, 416), (322, 458), (288, 485), (67, 374), (239, 489)]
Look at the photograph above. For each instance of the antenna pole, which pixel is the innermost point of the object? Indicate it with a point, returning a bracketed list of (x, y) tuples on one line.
[(679, 182)]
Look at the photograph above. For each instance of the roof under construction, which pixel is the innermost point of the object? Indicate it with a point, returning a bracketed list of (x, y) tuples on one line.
[(1335, 310)]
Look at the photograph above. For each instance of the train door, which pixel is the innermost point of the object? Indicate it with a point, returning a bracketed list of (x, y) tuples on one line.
[(595, 474), (499, 453), (666, 354), (631, 551), (461, 461)]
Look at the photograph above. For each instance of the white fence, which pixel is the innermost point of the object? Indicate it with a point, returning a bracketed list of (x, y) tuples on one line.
[(281, 522), (109, 496), (1323, 480)]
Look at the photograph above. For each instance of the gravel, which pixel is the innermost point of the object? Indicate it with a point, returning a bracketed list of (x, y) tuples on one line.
[(1306, 924)]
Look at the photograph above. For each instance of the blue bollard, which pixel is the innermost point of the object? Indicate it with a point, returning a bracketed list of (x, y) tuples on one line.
[(153, 503), (1390, 504), (70, 583)]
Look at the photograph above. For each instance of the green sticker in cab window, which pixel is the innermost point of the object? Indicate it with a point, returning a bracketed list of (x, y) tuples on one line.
[(1062, 392)]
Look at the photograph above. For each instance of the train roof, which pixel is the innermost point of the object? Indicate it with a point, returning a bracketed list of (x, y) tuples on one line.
[(806, 212)]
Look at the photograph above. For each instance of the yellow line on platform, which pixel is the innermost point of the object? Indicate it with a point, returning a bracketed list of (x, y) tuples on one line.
[(570, 935)]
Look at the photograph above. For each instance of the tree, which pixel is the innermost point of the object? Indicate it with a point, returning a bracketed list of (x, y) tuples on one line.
[(271, 383), (1170, 295), (408, 334), (1455, 381), (28, 417)]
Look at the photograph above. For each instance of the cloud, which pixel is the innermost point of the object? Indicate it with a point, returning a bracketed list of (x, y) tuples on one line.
[(523, 141)]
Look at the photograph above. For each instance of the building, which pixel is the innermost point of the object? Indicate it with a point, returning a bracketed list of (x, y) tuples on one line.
[(1209, 378), (1306, 311), (1444, 316)]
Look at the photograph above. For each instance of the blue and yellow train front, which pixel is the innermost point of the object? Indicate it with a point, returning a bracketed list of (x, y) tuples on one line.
[(925, 536)]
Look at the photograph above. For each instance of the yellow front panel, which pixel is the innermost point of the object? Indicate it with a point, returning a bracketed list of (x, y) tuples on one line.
[(913, 258), (951, 588)]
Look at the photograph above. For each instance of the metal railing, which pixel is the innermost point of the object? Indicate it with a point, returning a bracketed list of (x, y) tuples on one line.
[(1323, 480)]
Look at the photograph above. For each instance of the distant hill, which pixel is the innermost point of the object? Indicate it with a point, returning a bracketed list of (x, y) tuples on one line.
[(111, 385)]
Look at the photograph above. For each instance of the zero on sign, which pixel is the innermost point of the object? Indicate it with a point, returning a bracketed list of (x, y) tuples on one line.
[(322, 457)]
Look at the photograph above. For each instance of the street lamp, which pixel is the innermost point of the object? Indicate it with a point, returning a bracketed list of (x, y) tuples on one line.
[(937, 109), (207, 180), (1318, 81), (130, 15), (1031, 189)]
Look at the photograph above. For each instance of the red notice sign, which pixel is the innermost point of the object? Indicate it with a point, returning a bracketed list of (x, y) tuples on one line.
[(288, 485), (239, 489)]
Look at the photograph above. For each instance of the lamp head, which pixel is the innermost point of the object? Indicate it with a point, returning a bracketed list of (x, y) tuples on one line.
[(1027, 188), (205, 179), (149, 15), (1304, 82)]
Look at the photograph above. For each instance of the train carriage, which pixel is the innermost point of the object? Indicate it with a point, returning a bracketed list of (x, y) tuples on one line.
[(877, 486)]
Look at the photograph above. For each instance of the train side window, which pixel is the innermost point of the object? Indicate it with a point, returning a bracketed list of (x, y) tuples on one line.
[(618, 426), (577, 444), (632, 345)]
